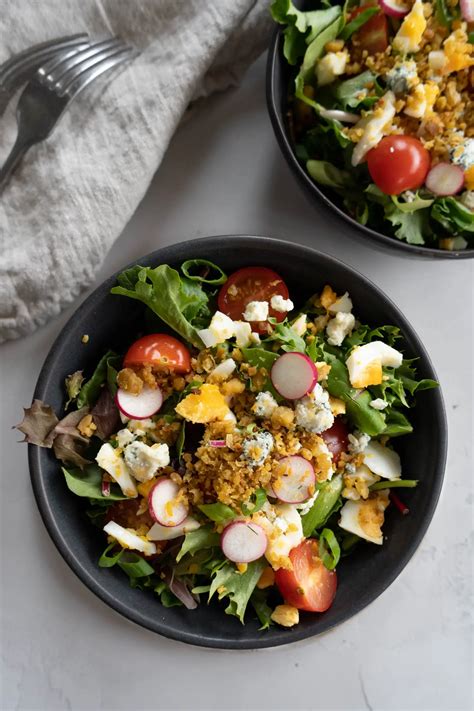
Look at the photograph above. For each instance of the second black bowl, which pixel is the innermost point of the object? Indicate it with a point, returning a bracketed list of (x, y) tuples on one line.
[(279, 77)]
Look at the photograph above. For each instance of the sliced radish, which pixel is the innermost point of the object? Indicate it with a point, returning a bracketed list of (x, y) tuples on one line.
[(295, 480), (338, 115), (394, 8), (167, 533), (445, 179), (139, 407), (105, 488), (162, 504), (467, 10), (294, 375), (243, 542)]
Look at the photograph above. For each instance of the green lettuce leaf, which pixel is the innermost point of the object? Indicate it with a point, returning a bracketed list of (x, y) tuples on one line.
[(346, 92), (207, 272), (355, 24), (412, 227), (238, 587), (204, 537), (302, 27), (258, 600), (453, 215), (218, 512), (180, 302), (324, 173), (290, 341), (90, 390), (88, 483), (327, 502)]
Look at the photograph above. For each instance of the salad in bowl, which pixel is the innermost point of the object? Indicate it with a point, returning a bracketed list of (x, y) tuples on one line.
[(242, 445), (382, 112)]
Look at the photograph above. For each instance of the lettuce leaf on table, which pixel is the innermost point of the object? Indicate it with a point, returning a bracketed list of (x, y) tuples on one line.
[(181, 303)]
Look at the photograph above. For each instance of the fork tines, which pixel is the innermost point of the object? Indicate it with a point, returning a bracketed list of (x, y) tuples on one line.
[(68, 74), (18, 68)]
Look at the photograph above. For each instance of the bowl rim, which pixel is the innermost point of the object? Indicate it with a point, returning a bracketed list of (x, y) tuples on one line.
[(36, 465), (275, 58)]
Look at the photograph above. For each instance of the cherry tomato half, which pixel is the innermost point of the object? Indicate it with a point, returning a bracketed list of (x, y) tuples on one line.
[(310, 585), (159, 349), (336, 438), (373, 35), (251, 284), (398, 163)]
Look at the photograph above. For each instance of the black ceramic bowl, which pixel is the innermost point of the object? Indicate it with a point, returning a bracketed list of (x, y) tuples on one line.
[(280, 76), (113, 322)]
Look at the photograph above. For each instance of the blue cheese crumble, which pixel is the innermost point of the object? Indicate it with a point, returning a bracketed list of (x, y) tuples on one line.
[(401, 77), (256, 449), (463, 154), (143, 461), (313, 412), (265, 404)]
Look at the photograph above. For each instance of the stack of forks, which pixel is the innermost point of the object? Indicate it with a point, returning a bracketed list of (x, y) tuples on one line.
[(55, 72)]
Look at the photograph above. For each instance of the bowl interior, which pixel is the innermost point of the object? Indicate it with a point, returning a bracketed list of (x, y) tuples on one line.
[(280, 76), (112, 322)]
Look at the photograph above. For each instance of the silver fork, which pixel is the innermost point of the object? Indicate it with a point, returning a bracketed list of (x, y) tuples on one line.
[(50, 92), (19, 68)]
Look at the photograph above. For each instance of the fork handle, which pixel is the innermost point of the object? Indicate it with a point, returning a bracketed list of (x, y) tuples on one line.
[(20, 147)]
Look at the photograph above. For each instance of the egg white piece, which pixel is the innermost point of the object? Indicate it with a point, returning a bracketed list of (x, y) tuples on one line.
[(382, 461), (109, 459), (166, 533), (411, 31), (365, 363), (365, 518), (374, 125), (282, 524), (127, 539)]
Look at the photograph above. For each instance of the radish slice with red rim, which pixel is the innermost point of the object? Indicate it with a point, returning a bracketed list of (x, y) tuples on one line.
[(141, 406), (294, 375), (445, 179), (394, 8), (243, 541), (294, 480), (467, 10), (162, 504)]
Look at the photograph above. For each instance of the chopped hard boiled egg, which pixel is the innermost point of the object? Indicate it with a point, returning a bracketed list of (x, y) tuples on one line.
[(411, 31), (374, 125), (382, 461), (109, 459), (365, 518), (166, 533), (220, 329), (342, 304), (365, 363), (206, 404), (282, 524), (456, 54), (421, 100), (300, 325), (224, 369), (332, 65), (129, 539)]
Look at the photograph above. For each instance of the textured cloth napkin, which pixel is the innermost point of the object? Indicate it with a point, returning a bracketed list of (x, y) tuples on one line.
[(74, 193)]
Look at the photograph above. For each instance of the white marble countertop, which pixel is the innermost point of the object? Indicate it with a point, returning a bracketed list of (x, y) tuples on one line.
[(411, 649)]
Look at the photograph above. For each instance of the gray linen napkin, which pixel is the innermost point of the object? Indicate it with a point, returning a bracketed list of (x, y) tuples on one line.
[(74, 193)]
